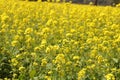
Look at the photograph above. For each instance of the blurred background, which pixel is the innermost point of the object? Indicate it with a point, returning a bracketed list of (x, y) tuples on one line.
[(98, 2), (95, 2)]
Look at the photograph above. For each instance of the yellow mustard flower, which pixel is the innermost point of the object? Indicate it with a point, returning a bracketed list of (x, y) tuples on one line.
[(81, 74), (110, 76)]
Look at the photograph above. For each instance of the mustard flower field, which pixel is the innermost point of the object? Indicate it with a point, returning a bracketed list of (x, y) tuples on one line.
[(59, 41)]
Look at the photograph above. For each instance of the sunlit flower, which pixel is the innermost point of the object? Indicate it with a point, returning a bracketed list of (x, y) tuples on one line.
[(47, 77), (21, 68), (36, 49), (60, 58), (44, 62), (110, 77), (14, 43), (28, 30), (76, 57), (81, 74), (35, 63), (14, 61)]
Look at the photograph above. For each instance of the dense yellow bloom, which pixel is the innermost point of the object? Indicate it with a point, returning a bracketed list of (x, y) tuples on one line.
[(14, 43), (48, 50), (81, 74), (91, 67), (69, 63), (99, 58), (44, 62), (43, 42), (118, 5), (4, 17), (36, 49), (110, 77), (33, 55), (45, 30), (16, 37), (60, 58), (60, 41), (14, 61), (28, 30)]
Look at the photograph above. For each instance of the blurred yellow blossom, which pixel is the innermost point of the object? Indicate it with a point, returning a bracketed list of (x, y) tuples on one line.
[(81, 74), (44, 62), (110, 77), (60, 58), (21, 68), (76, 57), (14, 43)]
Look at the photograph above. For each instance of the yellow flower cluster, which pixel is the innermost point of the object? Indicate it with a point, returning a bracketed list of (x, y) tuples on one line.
[(81, 74), (60, 41), (109, 77)]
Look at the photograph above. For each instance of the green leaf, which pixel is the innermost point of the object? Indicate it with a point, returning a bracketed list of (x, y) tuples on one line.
[(32, 73), (115, 60)]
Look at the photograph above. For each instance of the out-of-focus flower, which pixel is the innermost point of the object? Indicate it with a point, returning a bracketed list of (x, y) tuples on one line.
[(81, 74), (110, 77)]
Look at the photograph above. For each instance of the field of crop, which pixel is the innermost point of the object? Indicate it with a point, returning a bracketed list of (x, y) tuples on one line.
[(58, 41)]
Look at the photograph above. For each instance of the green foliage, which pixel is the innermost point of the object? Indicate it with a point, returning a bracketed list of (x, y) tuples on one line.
[(5, 67)]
